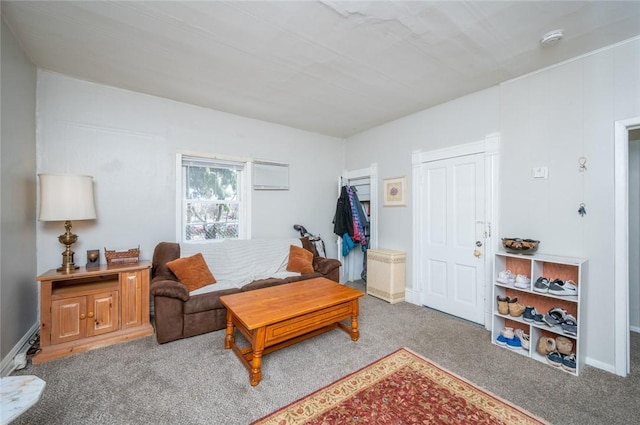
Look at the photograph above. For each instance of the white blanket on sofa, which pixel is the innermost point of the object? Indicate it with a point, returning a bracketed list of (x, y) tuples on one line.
[(236, 262)]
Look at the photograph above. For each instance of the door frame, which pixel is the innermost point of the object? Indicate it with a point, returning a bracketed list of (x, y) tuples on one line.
[(372, 173), (489, 147), (622, 343)]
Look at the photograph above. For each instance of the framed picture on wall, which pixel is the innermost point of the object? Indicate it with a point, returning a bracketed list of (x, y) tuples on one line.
[(395, 192)]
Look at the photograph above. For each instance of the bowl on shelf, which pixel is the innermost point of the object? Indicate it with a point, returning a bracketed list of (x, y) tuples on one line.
[(520, 246)]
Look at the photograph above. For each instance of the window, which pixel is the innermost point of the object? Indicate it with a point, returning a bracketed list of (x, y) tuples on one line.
[(213, 199)]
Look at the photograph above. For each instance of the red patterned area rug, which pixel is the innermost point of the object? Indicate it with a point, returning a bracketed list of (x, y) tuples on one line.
[(401, 388)]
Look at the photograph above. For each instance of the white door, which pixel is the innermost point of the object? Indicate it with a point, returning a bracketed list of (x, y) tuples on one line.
[(451, 223)]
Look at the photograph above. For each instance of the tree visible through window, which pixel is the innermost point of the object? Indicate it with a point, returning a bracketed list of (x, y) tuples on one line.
[(211, 199)]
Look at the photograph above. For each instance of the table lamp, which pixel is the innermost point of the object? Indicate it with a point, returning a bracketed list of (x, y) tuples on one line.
[(66, 197)]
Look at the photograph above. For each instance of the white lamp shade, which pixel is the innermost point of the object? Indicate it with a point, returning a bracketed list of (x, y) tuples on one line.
[(66, 197)]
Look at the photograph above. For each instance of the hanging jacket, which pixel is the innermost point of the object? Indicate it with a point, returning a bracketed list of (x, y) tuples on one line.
[(358, 230), (342, 221)]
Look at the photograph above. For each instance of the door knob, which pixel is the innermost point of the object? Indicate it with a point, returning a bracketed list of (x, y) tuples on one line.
[(477, 253)]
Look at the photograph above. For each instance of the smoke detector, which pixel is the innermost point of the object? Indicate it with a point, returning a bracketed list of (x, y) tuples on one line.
[(552, 37)]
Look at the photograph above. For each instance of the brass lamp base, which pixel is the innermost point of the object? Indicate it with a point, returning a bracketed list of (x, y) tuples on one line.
[(67, 239)]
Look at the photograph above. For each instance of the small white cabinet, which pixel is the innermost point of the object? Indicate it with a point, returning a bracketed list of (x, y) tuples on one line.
[(386, 274), (534, 267)]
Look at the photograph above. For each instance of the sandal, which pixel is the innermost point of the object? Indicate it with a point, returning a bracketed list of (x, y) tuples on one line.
[(555, 316), (569, 325)]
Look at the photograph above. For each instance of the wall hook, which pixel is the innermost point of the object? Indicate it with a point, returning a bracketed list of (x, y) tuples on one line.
[(582, 161), (582, 210)]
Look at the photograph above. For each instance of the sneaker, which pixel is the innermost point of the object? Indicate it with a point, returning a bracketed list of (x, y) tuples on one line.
[(546, 345), (569, 363), (539, 319), (506, 334), (555, 316), (506, 277), (560, 288), (503, 304), (524, 339), (554, 359), (530, 314), (541, 285), (514, 343), (569, 325), (515, 308), (522, 282), (564, 345)]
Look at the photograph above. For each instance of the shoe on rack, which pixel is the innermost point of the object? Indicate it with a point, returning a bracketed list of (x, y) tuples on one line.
[(541, 285), (503, 304), (524, 339), (530, 314), (569, 363), (555, 316), (564, 345), (514, 343), (546, 345), (506, 277), (561, 288), (539, 319), (506, 334), (522, 282), (515, 308), (569, 325), (555, 359)]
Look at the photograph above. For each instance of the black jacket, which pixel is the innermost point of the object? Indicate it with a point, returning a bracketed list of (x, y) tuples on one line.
[(342, 221)]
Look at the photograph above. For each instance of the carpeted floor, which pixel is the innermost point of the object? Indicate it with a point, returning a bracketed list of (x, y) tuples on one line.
[(197, 381)]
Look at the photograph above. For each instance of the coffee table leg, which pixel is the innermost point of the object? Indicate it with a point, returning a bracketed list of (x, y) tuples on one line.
[(355, 333), (255, 374), (229, 340)]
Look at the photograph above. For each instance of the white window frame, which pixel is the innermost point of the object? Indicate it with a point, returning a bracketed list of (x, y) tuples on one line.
[(244, 193)]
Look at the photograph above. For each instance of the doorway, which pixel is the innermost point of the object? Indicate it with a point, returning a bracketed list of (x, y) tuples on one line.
[(454, 191), (365, 182), (622, 258)]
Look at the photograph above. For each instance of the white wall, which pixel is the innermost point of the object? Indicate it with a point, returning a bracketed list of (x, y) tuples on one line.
[(18, 288), (549, 118), (552, 118), (128, 141), (464, 120)]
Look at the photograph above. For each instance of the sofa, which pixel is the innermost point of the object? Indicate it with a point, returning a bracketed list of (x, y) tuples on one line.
[(237, 266)]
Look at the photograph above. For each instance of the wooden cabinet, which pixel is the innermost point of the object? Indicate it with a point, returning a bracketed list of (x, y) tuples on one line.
[(534, 267), (86, 309)]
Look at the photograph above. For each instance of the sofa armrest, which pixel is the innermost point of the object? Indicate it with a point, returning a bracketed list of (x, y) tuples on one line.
[(325, 265), (169, 288)]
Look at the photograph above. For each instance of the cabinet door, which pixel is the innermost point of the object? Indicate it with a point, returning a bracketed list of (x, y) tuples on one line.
[(68, 319), (131, 289), (102, 314)]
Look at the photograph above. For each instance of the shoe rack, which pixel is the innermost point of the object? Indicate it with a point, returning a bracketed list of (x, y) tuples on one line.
[(535, 266)]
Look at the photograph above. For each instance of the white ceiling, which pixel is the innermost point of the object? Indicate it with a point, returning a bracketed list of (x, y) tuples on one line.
[(335, 68)]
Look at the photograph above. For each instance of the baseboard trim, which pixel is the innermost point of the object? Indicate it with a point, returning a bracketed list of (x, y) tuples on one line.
[(7, 365), (600, 365), (412, 296)]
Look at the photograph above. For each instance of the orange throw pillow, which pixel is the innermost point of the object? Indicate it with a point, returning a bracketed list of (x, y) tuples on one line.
[(300, 260), (192, 271)]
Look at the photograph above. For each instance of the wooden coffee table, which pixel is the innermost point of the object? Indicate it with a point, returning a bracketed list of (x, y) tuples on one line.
[(279, 316)]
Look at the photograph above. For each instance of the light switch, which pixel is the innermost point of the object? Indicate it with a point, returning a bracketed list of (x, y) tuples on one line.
[(540, 172)]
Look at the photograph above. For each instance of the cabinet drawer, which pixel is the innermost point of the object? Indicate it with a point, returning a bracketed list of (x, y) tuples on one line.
[(291, 328)]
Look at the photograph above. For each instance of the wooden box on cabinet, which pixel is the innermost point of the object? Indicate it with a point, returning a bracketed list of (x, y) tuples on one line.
[(90, 308)]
